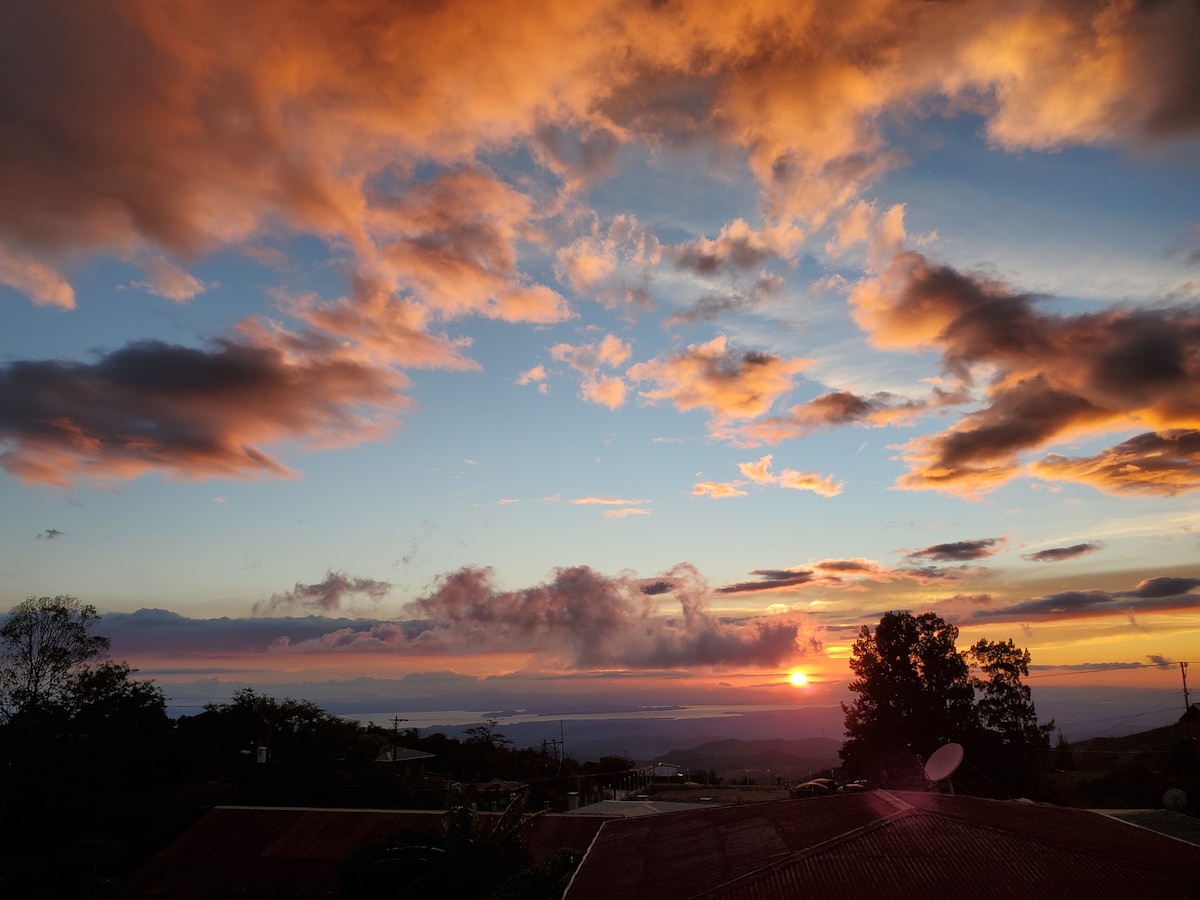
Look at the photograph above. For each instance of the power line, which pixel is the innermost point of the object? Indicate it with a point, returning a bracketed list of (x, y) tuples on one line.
[(1116, 668)]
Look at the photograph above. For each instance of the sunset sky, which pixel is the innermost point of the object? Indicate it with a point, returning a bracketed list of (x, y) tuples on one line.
[(643, 349)]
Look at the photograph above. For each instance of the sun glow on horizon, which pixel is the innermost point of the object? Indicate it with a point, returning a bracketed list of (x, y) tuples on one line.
[(798, 679)]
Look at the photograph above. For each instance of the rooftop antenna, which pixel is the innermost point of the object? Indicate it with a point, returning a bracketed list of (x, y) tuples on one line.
[(943, 763)]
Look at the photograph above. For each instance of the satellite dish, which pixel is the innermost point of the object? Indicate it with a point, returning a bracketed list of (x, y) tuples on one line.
[(943, 762), (1175, 799)]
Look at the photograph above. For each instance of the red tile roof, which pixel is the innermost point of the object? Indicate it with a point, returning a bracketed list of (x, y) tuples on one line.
[(881, 844)]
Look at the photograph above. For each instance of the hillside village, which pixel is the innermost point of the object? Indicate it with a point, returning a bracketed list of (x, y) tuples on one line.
[(106, 796)]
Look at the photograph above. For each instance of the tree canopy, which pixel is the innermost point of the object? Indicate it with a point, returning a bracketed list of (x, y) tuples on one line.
[(45, 646), (1005, 705), (916, 691)]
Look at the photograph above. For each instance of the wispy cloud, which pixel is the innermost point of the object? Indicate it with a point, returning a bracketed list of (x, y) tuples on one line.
[(626, 512), (327, 595), (759, 472), (607, 501), (718, 489)]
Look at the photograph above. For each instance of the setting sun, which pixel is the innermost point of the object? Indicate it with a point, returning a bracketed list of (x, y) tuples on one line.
[(798, 679)]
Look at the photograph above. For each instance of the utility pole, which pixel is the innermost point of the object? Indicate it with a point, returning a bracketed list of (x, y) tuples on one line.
[(396, 720), (1186, 702)]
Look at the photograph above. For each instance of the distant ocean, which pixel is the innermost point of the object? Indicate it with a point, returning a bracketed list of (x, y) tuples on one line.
[(464, 717)]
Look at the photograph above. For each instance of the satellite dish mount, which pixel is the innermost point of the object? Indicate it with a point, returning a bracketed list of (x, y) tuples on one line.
[(943, 763)]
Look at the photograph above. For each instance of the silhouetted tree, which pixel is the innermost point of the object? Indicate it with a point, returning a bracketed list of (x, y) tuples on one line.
[(298, 736), (1009, 743), (45, 646), (913, 694), (1004, 704), (82, 746)]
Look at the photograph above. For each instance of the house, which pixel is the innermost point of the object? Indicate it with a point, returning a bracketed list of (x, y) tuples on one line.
[(409, 762), (883, 844), (665, 771)]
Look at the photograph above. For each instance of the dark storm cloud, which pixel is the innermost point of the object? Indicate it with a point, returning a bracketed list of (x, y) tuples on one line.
[(1058, 554), (1163, 587), (770, 580), (842, 573), (1152, 595), (185, 412), (959, 550)]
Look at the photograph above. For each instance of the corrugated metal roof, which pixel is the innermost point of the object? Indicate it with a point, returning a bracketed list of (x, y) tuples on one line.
[(881, 844), (682, 854), (300, 852)]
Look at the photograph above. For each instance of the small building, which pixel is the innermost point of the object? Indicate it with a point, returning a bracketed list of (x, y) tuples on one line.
[(411, 763)]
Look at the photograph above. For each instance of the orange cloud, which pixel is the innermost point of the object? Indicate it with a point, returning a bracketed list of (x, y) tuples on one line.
[(152, 132), (760, 472), (240, 118), (452, 242), (614, 267), (39, 281), (606, 501), (738, 248), (536, 375), (718, 489), (715, 377), (1167, 463), (170, 281), (1050, 378), (626, 512), (385, 328), (588, 359)]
